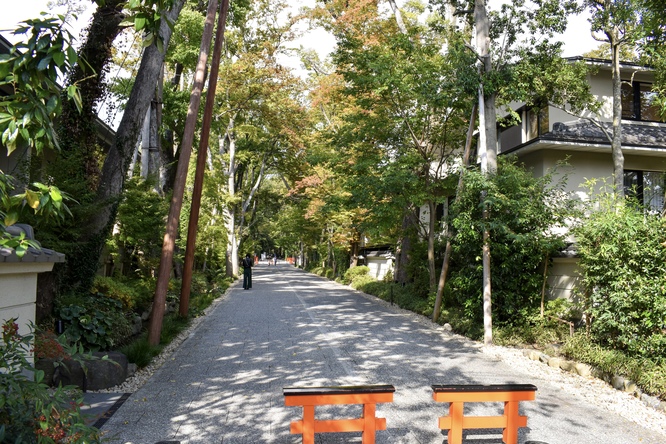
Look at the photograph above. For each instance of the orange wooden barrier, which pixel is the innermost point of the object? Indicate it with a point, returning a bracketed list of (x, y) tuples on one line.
[(309, 397), (458, 395)]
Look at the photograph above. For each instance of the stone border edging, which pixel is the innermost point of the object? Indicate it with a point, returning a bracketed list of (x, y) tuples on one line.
[(587, 371)]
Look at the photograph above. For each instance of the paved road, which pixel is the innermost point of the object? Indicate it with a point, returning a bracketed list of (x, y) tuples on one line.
[(224, 384)]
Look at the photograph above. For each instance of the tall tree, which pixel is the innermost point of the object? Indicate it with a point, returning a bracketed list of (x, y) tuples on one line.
[(258, 119), (116, 163), (500, 40), (615, 23), (408, 118)]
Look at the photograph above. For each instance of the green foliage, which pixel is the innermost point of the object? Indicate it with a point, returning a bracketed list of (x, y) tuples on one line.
[(116, 289), (171, 328), (328, 273), (203, 293), (141, 224), (523, 211), (647, 373), (360, 280), (30, 412), (405, 296), (417, 267), (354, 272), (46, 203), (543, 332), (623, 265), (140, 352), (146, 17), (31, 70), (95, 321)]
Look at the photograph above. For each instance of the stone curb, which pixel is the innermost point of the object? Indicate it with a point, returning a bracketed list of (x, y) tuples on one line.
[(587, 371)]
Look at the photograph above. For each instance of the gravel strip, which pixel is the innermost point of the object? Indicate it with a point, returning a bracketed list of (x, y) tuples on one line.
[(593, 390)]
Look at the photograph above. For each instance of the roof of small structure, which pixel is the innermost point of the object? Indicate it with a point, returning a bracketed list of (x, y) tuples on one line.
[(33, 254)]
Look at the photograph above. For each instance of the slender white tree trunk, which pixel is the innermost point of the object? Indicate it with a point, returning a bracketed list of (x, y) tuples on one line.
[(145, 145), (488, 142), (616, 143)]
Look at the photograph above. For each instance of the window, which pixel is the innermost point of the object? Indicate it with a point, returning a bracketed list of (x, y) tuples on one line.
[(537, 122), (647, 187), (638, 102)]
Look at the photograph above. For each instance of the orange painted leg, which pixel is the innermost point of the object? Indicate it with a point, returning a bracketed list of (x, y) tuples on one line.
[(456, 414), (510, 435), (308, 424), (368, 424)]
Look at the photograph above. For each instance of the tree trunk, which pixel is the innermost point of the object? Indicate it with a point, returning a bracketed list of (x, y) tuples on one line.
[(118, 159), (487, 293), (78, 160), (487, 121), (403, 257), (115, 164), (449, 234), (192, 228), (616, 143), (145, 146), (354, 253), (232, 245), (167, 149), (398, 17), (432, 222), (229, 214)]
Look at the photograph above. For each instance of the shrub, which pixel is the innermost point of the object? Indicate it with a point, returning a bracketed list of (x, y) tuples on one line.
[(380, 289), (141, 215), (361, 279), (29, 411), (140, 352), (623, 265), (353, 272), (48, 346), (649, 374), (115, 289), (405, 296), (522, 212), (96, 322)]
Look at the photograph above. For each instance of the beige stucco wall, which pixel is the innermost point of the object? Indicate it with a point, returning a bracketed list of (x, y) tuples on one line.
[(18, 291), (379, 266), (588, 165), (563, 277)]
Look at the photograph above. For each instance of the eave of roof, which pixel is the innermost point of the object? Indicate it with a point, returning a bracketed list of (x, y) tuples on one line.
[(608, 63), (642, 138), (43, 255)]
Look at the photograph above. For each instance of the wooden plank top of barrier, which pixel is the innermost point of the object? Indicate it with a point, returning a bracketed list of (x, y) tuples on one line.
[(456, 388), (338, 390)]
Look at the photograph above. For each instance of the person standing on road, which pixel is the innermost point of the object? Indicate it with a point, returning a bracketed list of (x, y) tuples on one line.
[(247, 272)]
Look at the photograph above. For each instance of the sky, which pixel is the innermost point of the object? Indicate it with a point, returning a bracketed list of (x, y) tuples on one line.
[(577, 38), (28, 9)]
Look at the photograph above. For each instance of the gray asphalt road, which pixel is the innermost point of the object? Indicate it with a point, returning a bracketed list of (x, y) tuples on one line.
[(224, 384)]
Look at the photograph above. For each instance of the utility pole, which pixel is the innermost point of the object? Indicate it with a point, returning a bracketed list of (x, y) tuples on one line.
[(201, 162), (164, 271)]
